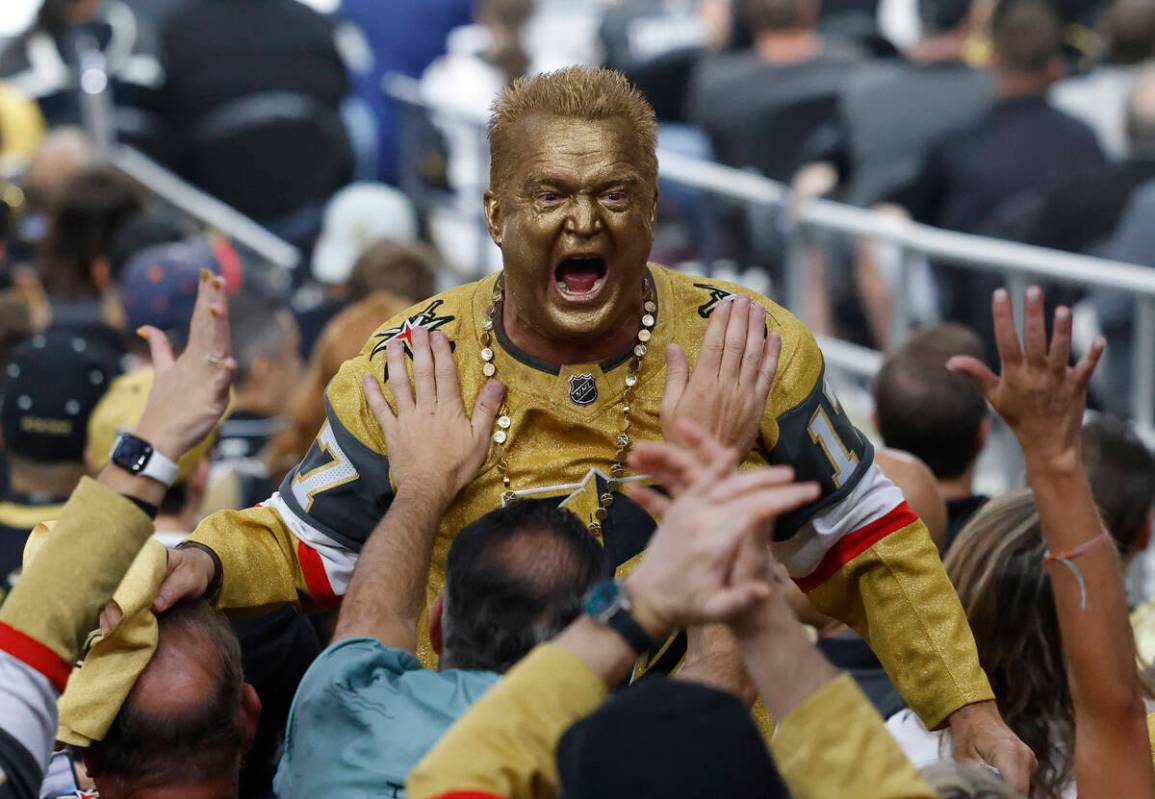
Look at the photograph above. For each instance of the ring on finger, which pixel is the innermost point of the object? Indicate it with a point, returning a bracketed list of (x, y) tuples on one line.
[(214, 359)]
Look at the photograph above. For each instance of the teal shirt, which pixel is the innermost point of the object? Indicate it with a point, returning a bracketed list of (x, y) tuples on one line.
[(363, 716)]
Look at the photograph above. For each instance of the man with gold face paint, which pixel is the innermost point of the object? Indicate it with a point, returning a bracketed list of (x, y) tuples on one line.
[(594, 346)]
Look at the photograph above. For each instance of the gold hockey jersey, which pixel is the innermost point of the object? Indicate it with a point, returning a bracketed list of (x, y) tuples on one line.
[(859, 551)]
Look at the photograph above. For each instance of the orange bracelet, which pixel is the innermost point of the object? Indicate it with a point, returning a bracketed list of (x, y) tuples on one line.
[(1067, 558)]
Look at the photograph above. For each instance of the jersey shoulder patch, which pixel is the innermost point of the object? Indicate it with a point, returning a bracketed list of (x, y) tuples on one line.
[(448, 312)]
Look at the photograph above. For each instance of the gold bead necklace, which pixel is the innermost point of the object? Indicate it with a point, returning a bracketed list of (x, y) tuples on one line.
[(502, 434)]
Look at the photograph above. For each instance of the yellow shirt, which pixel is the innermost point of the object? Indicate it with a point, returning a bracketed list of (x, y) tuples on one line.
[(858, 550)]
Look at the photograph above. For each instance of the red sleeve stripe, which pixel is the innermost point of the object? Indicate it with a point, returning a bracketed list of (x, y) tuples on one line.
[(32, 653), (855, 543), (468, 795), (316, 580)]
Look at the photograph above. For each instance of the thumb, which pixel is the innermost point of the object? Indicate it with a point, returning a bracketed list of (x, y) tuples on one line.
[(677, 374), (159, 350), (486, 408), (977, 371)]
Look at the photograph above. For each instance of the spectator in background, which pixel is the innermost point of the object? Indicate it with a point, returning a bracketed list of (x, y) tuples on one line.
[(53, 382), (158, 287), (759, 106), (482, 59), (1122, 473), (189, 718), (890, 112), (62, 154), (997, 566), (400, 37), (357, 217), (266, 346), (44, 64), (1081, 213), (983, 178), (1100, 97), (937, 415), (76, 258), (259, 123)]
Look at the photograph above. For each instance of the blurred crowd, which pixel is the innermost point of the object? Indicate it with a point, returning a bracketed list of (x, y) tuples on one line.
[(381, 636)]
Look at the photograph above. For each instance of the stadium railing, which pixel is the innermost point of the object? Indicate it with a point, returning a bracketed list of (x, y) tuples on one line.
[(1019, 264)]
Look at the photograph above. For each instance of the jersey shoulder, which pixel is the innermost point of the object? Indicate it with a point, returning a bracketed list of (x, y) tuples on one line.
[(692, 300), (451, 312)]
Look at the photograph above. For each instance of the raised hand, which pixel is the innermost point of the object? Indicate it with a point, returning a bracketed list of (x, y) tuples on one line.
[(727, 391), (1039, 395), (190, 394), (433, 444), (690, 571)]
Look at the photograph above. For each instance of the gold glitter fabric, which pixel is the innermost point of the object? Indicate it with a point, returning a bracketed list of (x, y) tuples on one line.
[(303, 542)]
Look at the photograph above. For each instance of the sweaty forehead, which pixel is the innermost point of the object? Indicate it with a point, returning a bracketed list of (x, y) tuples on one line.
[(580, 149)]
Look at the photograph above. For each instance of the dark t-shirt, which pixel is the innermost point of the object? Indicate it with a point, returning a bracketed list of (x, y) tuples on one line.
[(258, 123), (1083, 212), (990, 178), (958, 513), (762, 115)]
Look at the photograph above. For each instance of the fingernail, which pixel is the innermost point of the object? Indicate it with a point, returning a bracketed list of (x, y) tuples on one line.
[(140, 332), (1000, 295), (219, 282), (215, 312), (205, 275), (1062, 312), (1034, 293)]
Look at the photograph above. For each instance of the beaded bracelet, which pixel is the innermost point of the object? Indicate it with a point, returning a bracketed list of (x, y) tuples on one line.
[(1067, 557)]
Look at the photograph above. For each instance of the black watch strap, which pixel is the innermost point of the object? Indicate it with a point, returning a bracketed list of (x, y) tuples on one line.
[(627, 627), (214, 586)]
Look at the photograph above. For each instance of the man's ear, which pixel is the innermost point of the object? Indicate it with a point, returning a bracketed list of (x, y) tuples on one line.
[(1144, 539), (493, 217), (101, 271), (984, 434), (435, 624), (250, 714)]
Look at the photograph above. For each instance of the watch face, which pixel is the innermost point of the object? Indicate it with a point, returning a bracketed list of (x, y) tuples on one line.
[(131, 453), (602, 599)]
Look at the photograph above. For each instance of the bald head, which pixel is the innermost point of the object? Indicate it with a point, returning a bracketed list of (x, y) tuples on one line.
[(1141, 114), (184, 726)]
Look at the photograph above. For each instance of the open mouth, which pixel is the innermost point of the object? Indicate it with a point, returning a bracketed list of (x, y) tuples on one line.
[(580, 277)]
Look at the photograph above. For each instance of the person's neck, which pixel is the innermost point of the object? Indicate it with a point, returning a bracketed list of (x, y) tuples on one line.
[(944, 49), (53, 480), (1016, 86), (591, 349), (959, 487), (787, 46)]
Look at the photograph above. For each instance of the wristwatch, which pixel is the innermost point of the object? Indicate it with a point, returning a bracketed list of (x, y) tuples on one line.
[(608, 603), (136, 456)]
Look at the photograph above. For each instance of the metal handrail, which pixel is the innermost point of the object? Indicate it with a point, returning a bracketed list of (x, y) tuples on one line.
[(203, 207)]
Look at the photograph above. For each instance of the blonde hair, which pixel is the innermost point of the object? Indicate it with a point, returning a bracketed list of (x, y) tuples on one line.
[(996, 565), (592, 93)]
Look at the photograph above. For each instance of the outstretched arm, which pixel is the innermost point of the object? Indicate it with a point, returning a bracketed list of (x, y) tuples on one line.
[(1042, 398), (436, 450)]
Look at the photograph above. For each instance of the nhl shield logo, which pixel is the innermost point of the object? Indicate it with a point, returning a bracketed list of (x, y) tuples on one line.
[(582, 389)]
